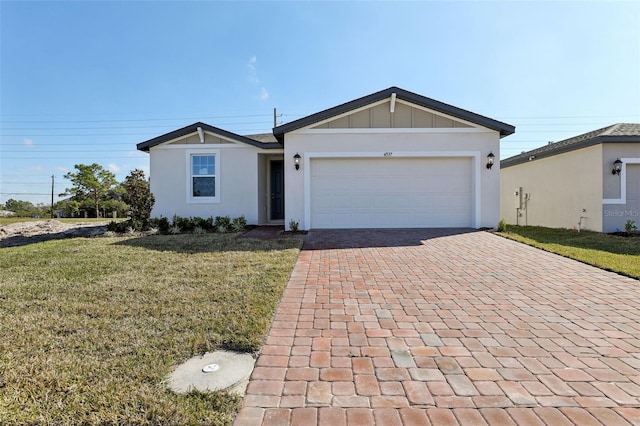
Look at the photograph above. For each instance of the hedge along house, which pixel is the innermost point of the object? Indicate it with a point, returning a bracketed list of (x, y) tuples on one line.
[(591, 181), (392, 159)]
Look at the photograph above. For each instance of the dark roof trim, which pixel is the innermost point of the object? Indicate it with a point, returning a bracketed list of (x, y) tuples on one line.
[(503, 128), (567, 145), (192, 128)]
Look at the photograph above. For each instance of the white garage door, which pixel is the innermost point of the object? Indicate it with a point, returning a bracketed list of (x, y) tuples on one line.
[(391, 193)]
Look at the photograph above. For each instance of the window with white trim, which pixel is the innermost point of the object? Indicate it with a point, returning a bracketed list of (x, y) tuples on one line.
[(203, 175), (203, 180)]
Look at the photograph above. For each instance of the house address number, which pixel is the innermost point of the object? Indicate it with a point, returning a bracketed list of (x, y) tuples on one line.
[(388, 154)]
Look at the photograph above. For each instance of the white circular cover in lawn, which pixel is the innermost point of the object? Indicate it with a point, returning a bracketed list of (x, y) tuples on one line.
[(213, 371)]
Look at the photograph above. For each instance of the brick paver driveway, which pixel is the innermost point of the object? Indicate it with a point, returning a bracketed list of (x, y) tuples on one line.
[(447, 327)]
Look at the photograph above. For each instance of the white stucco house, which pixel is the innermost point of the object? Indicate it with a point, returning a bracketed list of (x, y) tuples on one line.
[(590, 181), (392, 159)]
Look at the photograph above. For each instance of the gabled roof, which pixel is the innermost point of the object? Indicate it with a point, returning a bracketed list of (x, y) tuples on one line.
[(503, 128), (616, 133), (260, 141)]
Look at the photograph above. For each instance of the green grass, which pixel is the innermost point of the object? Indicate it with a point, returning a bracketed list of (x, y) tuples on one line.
[(610, 252), (91, 327)]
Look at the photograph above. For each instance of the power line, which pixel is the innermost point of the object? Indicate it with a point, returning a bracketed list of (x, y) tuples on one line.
[(109, 134), (136, 119), (123, 127)]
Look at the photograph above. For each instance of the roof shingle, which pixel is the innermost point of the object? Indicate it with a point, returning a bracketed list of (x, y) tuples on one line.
[(620, 133)]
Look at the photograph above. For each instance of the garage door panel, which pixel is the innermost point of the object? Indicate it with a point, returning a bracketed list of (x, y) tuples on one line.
[(389, 193)]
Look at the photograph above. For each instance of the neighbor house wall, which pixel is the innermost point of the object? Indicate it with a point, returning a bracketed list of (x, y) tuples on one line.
[(238, 176), (398, 141), (616, 214), (562, 189)]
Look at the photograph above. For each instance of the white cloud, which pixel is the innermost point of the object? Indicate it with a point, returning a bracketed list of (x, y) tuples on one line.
[(27, 142), (37, 169), (113, 168), (253, 77)]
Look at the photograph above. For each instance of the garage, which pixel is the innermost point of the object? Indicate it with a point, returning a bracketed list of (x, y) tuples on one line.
[(391, 192)]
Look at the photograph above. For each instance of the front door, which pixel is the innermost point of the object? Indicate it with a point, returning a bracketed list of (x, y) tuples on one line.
[(277, 190)]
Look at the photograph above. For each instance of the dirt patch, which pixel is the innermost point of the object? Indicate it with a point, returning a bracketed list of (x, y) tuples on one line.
[(23, 233)]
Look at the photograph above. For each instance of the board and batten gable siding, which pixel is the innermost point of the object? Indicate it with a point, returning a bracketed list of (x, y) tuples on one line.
[(472, 143), (194, 139), (237, 174), (404, 116), (562, 189)]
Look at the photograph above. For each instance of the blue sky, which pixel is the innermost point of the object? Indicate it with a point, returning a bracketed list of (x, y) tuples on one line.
[(83, 82)]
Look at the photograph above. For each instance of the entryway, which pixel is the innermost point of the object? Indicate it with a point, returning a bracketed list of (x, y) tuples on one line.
[(276, 188)]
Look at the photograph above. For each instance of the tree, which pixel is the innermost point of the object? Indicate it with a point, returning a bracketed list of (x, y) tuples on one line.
[(22, 208), (93, 182), (137, 194)]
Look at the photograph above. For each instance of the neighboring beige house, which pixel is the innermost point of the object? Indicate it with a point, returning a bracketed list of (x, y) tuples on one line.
[(392, 159), (572, 184)]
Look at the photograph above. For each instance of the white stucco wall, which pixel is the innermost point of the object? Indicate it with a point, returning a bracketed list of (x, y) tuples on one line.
[(562, 189), (238, 176), (400, 142), (615, 215)]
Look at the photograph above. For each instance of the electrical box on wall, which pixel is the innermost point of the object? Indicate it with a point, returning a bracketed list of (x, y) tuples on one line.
[(518, 197)]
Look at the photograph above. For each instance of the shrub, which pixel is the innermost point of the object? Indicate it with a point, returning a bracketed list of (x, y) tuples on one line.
[(502, 226), (123, 227), (174, 230), (198, 230), (161, 223), (114, 226), (185, 224), (137, 194), (239, 224), (630, 227), (294, 225), (205, 224), (222, 224)]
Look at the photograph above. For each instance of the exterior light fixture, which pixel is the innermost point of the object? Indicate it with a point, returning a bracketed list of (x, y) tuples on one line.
[(490, 159), (617, 167), (296, 161)]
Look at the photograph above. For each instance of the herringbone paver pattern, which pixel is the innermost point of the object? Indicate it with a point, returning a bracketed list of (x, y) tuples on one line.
[(419, 327)]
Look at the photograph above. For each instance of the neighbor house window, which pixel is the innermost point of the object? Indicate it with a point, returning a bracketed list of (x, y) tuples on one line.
[(203, 176)]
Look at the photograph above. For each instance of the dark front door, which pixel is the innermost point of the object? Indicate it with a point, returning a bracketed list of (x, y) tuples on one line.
[(277, 190)]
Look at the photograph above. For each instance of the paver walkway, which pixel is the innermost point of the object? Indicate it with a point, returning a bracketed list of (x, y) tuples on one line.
[(420, 327)]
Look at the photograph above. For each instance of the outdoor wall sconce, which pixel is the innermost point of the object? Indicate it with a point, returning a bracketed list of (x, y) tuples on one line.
[(296, 161), (490, 159), (617, 167)]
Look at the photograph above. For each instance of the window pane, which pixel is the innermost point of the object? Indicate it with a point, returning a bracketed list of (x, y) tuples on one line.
[(204, 187), (203, 165)]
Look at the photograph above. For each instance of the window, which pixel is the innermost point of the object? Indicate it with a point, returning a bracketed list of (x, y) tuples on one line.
[(203, 176), (203, 172)]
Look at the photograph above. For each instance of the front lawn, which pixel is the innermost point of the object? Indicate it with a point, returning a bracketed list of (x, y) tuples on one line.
[(613, 253), (91, 327)]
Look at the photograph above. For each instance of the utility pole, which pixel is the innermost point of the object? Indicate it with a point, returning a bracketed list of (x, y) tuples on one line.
[(53, 180), (275, 118)]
